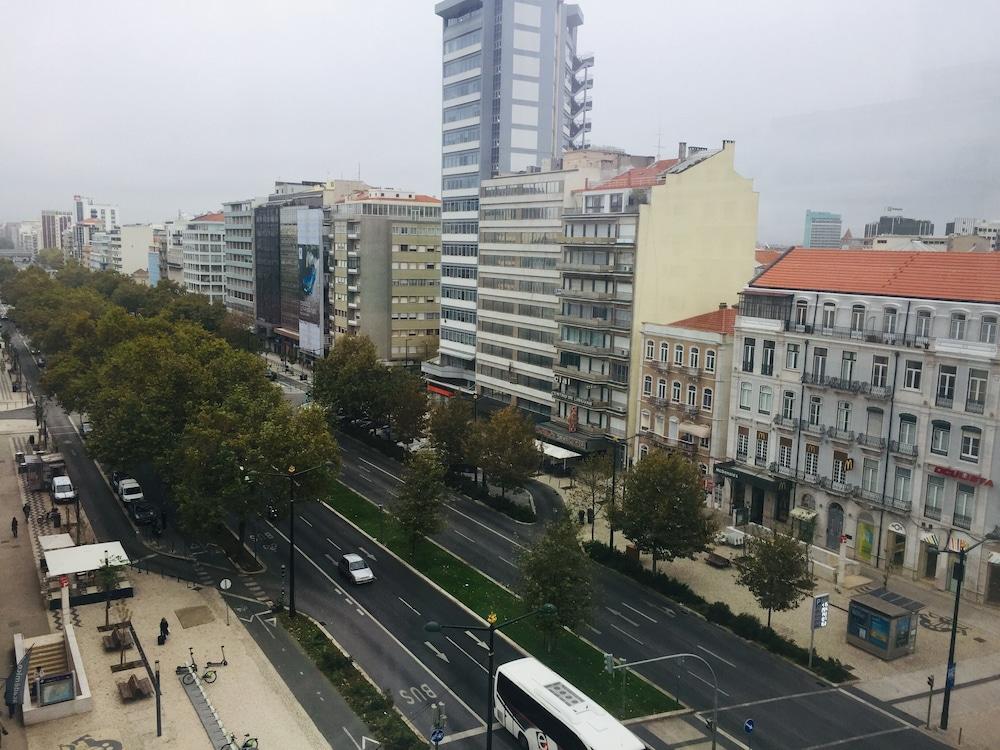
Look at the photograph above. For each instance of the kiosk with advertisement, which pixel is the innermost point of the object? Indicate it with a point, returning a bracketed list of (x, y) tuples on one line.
[(883, 623)]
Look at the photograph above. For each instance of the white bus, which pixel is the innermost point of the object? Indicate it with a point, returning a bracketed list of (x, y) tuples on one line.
[(544, 712)]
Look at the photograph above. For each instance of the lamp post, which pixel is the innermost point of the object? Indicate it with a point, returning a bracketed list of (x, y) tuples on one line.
[(949, 681), (159, 716), (491, 628), (614, 482)]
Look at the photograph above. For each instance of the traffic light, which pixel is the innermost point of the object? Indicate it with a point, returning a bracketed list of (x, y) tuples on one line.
[(609, 663), (930, 681)]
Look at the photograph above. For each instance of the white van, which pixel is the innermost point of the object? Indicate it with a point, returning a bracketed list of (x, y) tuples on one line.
[(63, 490), (129, 491)]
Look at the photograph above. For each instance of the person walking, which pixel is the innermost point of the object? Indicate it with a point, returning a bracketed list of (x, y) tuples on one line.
[(164, 628), (13, 526), (27, 510)]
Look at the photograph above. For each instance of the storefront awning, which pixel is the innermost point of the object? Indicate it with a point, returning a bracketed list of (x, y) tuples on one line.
[(555, 451), (84, 559), (698, 430), (803, 514), (742, 473), (994, 558), (930, 539)]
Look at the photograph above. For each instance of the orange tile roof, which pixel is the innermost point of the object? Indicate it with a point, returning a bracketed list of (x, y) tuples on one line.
[(213, 216), (637, 176), (717, 321), (959, 277), (766, 257)]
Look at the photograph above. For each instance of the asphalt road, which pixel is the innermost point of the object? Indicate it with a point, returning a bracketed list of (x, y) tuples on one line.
[(791, 707)]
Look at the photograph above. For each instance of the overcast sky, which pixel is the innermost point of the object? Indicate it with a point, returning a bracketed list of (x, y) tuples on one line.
[(846, 105)]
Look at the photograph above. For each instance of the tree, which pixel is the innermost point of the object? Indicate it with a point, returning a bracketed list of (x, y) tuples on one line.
[(776, 571), (450, 427), (663, 507), (593, 485), (51, 258), (420, 505), (505, 448), (108, 576), (556, 570), (407, 406), (351, 382)]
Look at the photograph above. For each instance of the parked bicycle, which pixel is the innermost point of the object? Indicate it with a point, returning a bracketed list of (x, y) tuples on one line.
[(247, 744), (209, 675)]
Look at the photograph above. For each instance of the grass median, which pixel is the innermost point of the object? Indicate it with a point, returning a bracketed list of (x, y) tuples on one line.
[(571, 657)]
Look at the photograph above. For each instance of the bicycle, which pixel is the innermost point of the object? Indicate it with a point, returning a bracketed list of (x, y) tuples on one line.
[(209, 676), (247, 744)]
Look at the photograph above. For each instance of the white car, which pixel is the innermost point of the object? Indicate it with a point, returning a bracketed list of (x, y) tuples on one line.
[(63, 490), (129, 491), (354, 569)]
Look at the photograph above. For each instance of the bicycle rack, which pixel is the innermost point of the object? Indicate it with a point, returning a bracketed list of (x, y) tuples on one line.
[(203, 707)]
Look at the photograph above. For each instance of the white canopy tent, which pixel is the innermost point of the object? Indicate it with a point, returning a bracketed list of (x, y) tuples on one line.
[(84, 559), (554, 451), (49, 542)]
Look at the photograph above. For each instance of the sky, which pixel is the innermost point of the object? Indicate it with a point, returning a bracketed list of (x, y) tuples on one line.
[(841, 105)]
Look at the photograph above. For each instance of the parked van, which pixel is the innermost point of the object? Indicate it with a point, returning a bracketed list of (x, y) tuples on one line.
[(129, 491), (63, 490)]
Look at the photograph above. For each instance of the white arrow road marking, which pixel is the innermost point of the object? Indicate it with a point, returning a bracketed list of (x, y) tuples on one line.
[(466, 653), (306, 521), (615, 612), (477, 639), (724, 661), (368, 554), (439, 654), (365, 741), (660, 607), (641, 614)]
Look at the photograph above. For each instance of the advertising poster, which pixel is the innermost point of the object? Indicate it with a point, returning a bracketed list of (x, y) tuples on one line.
[(310, 251)]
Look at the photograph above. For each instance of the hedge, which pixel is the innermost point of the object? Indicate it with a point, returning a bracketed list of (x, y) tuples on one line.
[(744, 625), (500, 504)]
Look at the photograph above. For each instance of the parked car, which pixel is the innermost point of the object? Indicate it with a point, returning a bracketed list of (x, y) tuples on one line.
[(129, 491), (63, 490), (273, 513), (40, 361), (116, 479), (142, 512), (272, 375), (354, 569), (85, 429)]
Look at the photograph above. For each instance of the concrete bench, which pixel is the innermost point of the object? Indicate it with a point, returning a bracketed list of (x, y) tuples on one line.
[(717, 561), (116, 642), (135, 687)]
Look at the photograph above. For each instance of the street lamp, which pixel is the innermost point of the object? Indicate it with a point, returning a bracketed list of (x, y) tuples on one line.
[(949, 681), (491, 628), (614, 482)]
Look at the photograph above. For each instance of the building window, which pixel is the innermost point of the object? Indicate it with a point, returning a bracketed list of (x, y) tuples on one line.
[(911, 376), (650, 347), (643, 450), (847, 360), (792, 357), (829, 315), (693, 356), (869, 475), (844, 416), (785, 453), (880, 370), (664, 352), (661, 389), (801, 312), (934, 499), (857, 318), (839, 467), (812, 459), (988, 329), (970, 444), (957, 328), (705, 442), (907, 430), (675, 392), (940, 437), (761, 454), (901, 486), (710, 360), (678, 354), (819, 362), (965, 505), (692, 396), (788, 405), (764, 400), (706, 399), (644, 420), (923, 324), (889, 317), (647, 385), (749, 345), (975, 399), (742, 443), (815, 408), (767, 359), (947, 374), (746, 393)]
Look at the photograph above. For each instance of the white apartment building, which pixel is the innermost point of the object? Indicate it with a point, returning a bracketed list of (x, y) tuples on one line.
[(239, 255), (174, 248), (981, 227), (134, 241), (864, 407), (204, 254), (104, 248), (104, 213)]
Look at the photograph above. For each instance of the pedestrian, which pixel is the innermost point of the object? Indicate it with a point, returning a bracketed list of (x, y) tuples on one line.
[(27, 510), (164, 628), (13, 526)]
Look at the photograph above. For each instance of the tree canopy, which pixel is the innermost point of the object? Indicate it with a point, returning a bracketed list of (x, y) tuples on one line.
[(775, 570), (449, 426), (504, 447), (420, 505)]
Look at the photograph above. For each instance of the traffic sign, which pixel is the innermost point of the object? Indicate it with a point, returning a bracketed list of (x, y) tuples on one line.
[(225, 584), (748, 726), (821, 610), (437, 735), (950, 678)]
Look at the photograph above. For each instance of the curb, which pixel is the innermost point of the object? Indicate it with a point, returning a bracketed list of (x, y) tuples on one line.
[(240, 568)]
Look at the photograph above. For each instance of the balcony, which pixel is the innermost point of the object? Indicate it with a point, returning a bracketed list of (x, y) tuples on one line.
[(692, 411), (692, 371), (657, 401), (844, 436), (785, 423), (870, 441), (812, 428), (579, 320), (593, 350), (741, 457), (879, 392), (975, 407), (760, 461), (868, 335), (944, 400), (575, 398), (781, 470), (933, 512), (962, 521), (903, 449), (602, 268), (578, 374), (659, 365), (589, 294), (886, 501), (844, 489)]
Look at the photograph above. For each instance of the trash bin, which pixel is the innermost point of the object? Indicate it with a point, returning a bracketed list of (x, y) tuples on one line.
[(56, 519), (590, 515), (581, 516)]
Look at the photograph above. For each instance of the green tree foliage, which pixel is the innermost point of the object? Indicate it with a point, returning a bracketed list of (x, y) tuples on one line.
[(51, 258), (351, 382), (407, 408), (7, 270), (449, 427), (663, 507), (504, 447), (420, 505), (592, 490), (556, 570), (776, 571)]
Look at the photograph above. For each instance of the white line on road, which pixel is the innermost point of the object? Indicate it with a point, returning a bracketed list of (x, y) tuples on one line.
[(474, 659), (329, 557), (762, 701), (641, 614), (480, 523), (627, 634), (858, 737), (616, 613), (368, 554), (465, 536), (504, 559), (724, 661), (702, 679), (466, 734), (365, 469), (438, 653), (477, 639), (592, 629), (306, 521), (334, 544), (375, 466), (410, 606)]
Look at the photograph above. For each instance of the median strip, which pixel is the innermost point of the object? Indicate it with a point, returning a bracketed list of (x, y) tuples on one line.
[(570, 656)]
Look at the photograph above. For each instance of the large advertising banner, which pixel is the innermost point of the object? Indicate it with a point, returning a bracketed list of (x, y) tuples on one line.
[(311, 312)]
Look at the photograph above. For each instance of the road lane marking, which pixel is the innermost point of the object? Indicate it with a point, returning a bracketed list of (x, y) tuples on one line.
[(477, 639), (762, 701), (334, 544), (724, 661), (504, 559), (365, 469), (615, 612), (474, 659), (329, 557), (385, 630), (379, 468), (410, 606), (862, 701), (465, 536), (466, 734), (847, 740), (306, 521), (592, 629), (641, 614), (627, 634), (368, 554), (480, 523), (702, 679), (439, 654)]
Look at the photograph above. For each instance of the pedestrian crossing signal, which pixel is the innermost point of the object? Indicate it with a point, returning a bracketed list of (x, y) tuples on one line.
[(609, 663)]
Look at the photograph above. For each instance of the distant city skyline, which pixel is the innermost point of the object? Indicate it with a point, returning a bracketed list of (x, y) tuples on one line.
[(821, 132)]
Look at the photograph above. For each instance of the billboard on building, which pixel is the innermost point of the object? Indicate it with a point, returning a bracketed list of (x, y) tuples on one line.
[(311, 295)]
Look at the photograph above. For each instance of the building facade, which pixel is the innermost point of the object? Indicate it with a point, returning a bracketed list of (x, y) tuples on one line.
[(104, 213), (822, 229), (864, 407), (203, 242), (386, 257), (965, 226), (683, 400), (54, 225), (239, 256), (515, 92), (899, 225), (173, 249)]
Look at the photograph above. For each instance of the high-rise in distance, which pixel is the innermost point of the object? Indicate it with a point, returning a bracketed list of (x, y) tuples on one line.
[(515, 92), (822, 229)]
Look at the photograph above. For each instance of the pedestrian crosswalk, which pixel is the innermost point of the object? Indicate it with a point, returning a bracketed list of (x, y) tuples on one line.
[(256, 591)]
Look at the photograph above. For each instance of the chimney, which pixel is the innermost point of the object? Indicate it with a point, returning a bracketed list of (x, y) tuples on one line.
[(722, 305), (682, 149), (726, 143)]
